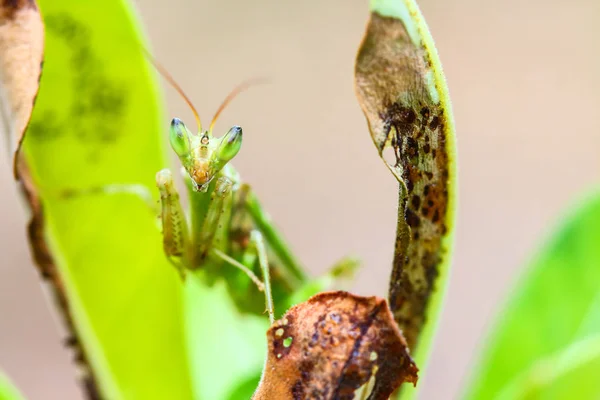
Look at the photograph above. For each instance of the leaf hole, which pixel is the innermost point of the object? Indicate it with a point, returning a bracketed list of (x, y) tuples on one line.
[(389, 156)]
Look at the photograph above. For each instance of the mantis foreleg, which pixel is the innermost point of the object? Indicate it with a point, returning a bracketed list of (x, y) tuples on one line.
[(192, 254), (204, 235), (174, 225)]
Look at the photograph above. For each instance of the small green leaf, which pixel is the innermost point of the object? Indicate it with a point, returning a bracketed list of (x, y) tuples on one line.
[(546, 343), (7, 389)]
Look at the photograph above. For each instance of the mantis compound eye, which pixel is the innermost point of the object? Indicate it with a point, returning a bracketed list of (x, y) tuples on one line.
[(180, 138), (230, 145)]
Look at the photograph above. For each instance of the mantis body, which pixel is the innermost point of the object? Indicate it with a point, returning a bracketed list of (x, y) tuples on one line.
[(225, 223)]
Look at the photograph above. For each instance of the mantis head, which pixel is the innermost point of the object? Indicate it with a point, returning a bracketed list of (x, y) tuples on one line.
[(202, 155)]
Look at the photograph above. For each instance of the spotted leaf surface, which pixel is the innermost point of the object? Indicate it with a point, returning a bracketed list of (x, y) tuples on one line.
[(336, 345), (401, 89)]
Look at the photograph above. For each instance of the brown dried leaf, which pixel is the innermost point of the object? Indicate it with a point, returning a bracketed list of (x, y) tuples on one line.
[(21, 56), (336, 345), (396, 86)]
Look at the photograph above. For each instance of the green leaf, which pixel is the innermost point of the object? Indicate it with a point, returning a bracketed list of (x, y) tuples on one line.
[(7, 390), (403, 93), (546, 342), (98, 121), (142, 332), (227, 346)]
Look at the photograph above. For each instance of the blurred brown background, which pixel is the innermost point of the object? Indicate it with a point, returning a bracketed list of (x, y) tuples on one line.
[(524, 82)]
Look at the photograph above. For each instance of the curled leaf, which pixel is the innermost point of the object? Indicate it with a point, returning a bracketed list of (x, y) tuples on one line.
[(401, 89), (336, 345), (21, 54)]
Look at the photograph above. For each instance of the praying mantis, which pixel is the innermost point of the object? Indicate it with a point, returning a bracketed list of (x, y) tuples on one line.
[(225, 224)]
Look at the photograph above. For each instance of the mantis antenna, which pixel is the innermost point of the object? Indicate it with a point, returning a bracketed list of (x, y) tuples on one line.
[(178, 88), (236, 90)]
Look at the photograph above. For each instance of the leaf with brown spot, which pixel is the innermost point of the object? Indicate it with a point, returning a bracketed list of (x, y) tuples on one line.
[(21, 55), (97, 120), (336, 345), (402, 92)]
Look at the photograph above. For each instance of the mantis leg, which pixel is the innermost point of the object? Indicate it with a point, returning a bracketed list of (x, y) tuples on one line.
[(214, 224), (272, 237), (209, 231), (344, 268), (258, 244), (175, 230), (255, 251)]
